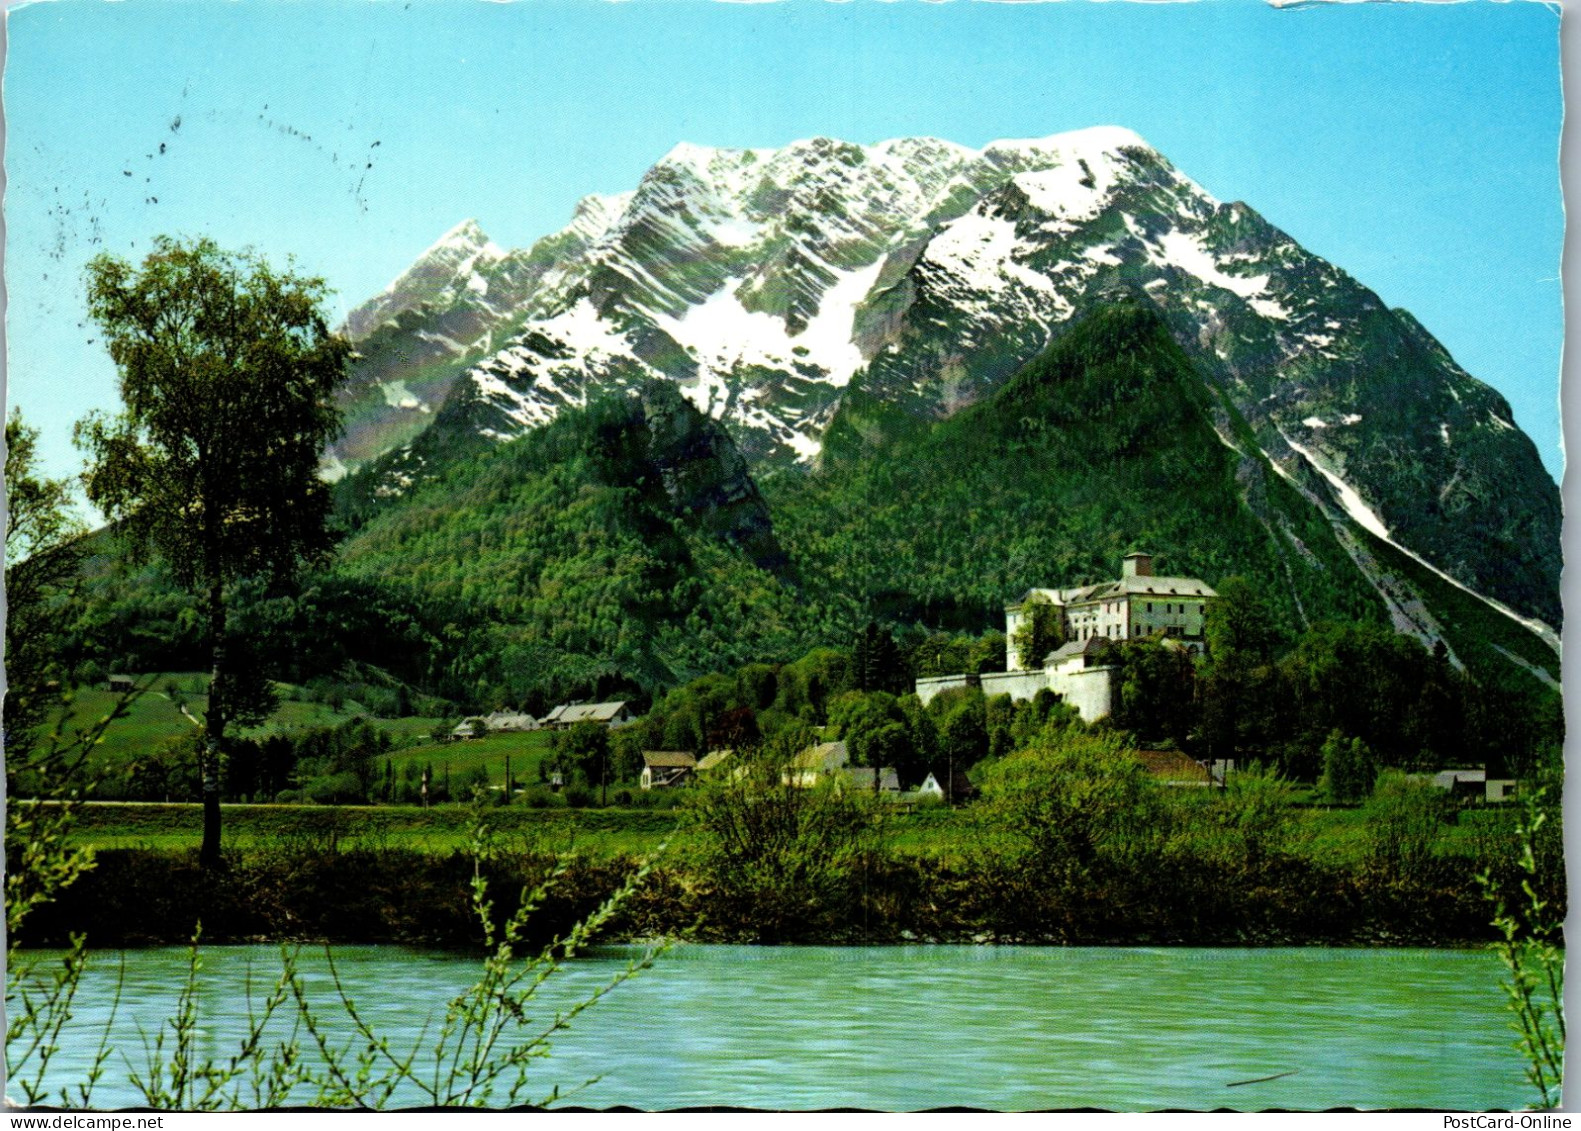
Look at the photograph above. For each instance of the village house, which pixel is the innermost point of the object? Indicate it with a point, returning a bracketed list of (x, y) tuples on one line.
[(664, 768), (1500, 790), (612, 715), (815, 763), (961, 787), (509, 721), (1473, 785), (1092, 619), (831, 762), (1174, 768), (1461, 783), (860, 779)]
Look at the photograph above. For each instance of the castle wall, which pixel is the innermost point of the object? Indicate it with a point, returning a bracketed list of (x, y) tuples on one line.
[(934, 684), (1017, 685), (1089, 690)]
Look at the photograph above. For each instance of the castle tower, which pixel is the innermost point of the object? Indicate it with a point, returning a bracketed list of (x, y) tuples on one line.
[(1137, 565)]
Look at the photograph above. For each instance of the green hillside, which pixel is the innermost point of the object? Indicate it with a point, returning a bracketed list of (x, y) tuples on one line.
[(1104, 444), (593, 554)]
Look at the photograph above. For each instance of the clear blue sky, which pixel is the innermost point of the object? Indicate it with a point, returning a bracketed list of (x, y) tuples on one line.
[(1414, 145)]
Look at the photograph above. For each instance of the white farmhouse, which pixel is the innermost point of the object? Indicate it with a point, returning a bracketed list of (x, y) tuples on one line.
[(1092, 619)]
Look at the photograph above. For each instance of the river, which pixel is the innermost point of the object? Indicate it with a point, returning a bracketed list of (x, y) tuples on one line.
[(904, 1028)]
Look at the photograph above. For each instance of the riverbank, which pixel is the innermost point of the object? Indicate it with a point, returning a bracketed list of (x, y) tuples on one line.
[(322, 892)]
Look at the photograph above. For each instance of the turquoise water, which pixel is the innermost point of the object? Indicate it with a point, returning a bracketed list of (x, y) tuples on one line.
[(904, 1028)]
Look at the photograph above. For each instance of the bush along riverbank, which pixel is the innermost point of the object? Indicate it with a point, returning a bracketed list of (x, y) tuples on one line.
[(138, 897), (1071, 843)]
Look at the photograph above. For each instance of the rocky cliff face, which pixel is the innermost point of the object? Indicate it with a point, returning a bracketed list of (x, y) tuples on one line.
[(778, 289), (705, 477)]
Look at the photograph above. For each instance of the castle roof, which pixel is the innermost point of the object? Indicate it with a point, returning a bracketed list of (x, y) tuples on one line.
[(1091, 646), (1143, 587), (1146, 586)]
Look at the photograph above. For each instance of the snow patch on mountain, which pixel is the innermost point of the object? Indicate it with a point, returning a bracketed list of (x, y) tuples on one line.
[(975, 249), (397, 395), (1186, 251), (1093, 142), (722, 335), (582, 330), (1072, 193), (1353, 503), (467, 237), (1406, 611), (597, 213)]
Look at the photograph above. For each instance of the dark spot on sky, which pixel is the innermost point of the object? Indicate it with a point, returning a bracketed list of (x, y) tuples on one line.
[(161, 147), (175, 124), (126, 172)]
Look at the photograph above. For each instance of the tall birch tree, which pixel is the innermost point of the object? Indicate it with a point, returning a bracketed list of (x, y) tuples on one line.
[(227, 373)]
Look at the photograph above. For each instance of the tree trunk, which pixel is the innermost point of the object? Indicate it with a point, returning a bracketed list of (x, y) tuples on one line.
[(213, 731)]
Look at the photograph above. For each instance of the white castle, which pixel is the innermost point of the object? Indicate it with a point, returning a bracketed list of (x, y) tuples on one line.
[(1093, 618)]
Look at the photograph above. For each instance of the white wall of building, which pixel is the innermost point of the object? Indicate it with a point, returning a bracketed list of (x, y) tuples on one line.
[(1017, 685), (933, 685), (1089, 690)]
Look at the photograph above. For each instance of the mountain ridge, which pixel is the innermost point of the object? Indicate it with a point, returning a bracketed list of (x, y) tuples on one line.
[(776, 287)]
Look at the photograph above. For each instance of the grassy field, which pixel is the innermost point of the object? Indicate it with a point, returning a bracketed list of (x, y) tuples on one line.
[(526, 751), (155, 718), (150, 721), (1337, 836), (441, 829)]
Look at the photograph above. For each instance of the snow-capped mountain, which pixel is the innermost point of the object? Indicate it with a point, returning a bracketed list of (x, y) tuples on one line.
[(768, 284), (455, 264)]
